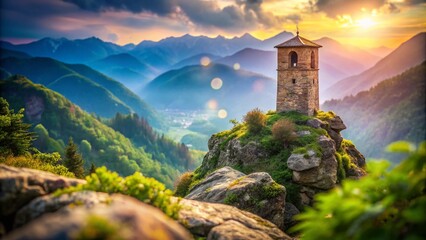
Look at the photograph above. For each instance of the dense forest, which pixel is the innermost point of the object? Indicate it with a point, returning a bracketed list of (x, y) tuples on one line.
[(385, 113), (55, 119)]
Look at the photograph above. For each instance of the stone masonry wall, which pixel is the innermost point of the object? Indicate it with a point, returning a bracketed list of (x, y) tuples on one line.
[(302, 95)]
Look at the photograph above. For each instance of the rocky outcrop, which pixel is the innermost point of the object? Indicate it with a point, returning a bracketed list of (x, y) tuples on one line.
[(218, 221), (92, 215), (257, 193), (18, 186), (89, 214), (231, 153), (316, 172)]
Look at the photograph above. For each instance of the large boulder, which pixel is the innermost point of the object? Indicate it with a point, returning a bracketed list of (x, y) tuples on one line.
[(218, 221), (96, 216), (324, 176), (301, 162), (18, 186), (231, 153), (257, 193)]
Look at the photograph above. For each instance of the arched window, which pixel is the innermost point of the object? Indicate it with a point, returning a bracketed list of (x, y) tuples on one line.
[(293, 59), (312, 59)]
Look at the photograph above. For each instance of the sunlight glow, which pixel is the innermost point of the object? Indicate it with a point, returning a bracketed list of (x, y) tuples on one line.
[(365, 23), (216, 83), (222, 113), (205, 61)]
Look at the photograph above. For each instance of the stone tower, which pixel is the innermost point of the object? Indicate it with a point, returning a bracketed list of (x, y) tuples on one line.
[(298, 76)]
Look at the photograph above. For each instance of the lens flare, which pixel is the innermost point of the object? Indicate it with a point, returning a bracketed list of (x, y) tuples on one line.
[(212, 104), (222, 113), (216, 83), (237, 66), (205, 61)]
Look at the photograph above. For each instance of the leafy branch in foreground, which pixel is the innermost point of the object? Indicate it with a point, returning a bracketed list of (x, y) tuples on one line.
[(147, 190), (382, 205)]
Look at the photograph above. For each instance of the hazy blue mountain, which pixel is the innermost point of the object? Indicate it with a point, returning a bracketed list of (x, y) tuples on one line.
[(70, 51), (393, 110), (259, 61), (270, 43), (4, 53), (127, 69), (170, 51), (194, 60), (407, 55), (189, 88), (88, 88)]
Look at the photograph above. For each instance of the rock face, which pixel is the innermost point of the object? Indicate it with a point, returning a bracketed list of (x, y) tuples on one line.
[(316, 172), (231, 154), (257, 193), (313, 170), (18, 186), (218, 221), (83, 214)]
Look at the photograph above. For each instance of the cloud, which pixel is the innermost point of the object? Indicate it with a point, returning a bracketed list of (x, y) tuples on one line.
[(336, 8), (201, 13), (295, 18), (160, 7)]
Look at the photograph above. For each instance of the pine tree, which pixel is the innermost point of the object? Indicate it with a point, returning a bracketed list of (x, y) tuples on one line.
[(15, 138), (92, 169), (73, 160)]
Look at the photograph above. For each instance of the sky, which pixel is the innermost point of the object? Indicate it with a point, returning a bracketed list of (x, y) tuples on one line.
[(364, 23)]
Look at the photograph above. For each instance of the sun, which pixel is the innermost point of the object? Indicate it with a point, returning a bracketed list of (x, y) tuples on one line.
[(365, 23)]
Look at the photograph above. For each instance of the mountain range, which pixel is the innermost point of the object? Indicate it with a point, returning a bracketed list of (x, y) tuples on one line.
[(91, 90), (393, 110), (407, 55), (191, 88)]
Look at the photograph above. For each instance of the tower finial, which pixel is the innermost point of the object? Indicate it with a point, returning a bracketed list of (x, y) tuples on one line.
[(297, 27)]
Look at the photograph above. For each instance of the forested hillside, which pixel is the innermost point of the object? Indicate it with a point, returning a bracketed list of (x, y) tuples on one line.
[(393, 110), (91, 90), (55, 119)]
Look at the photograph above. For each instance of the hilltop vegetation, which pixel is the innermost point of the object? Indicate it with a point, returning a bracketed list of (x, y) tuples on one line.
[(56, 119), (393, 110)]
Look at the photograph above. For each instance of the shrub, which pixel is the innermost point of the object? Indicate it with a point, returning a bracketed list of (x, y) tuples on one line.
[(37, 163), (182, 184), (255, 120), (324, 116), (283, 131), (382, 205), (147, 190)]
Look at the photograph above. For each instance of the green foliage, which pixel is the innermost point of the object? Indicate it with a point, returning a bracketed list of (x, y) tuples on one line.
[(382, 205), (182, 184), (255, 120), (324, 116), (98, 227), (272, 190), (49, 158), (147, 190), (284, 131), (15, 138), (37, 162), (73, 160), (231, 198), (92, 168)]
